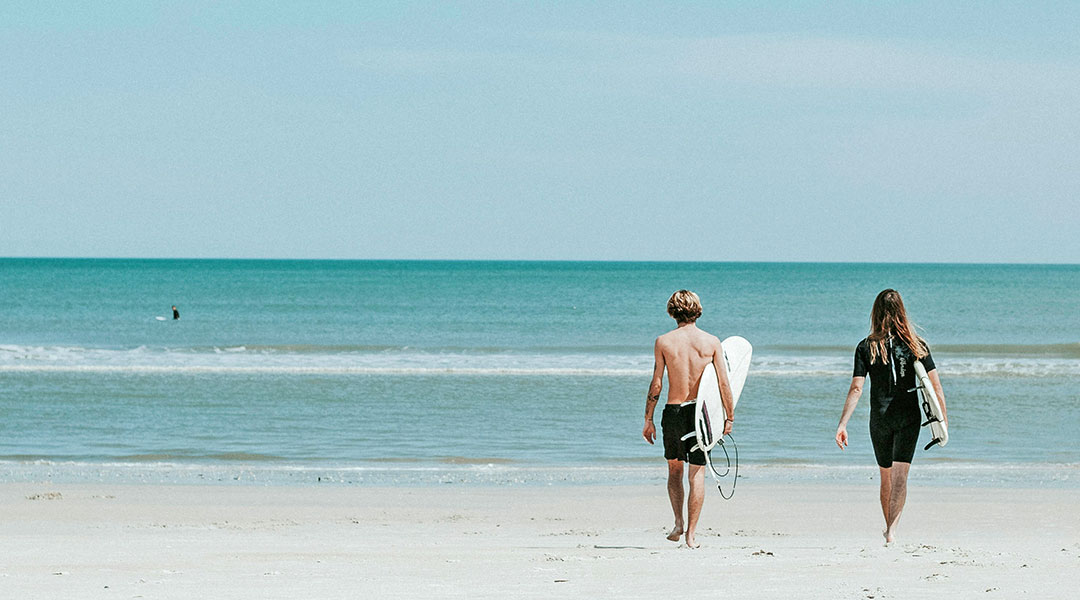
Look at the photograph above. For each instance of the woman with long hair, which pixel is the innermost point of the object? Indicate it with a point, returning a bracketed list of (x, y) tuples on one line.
[(888, 355)]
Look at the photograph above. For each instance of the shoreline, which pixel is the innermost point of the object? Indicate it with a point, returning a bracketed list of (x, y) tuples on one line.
[(503, 473), (807, 541)]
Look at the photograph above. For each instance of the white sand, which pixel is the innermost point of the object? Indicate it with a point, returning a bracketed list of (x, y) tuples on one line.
[(130, 541)]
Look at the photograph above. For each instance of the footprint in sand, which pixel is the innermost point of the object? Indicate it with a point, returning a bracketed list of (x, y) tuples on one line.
[(935, 577)]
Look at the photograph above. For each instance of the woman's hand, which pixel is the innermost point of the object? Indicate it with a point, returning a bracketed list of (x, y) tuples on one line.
[(841, 437)]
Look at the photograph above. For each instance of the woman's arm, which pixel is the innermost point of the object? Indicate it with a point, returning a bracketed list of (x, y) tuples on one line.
[(853, 394), (940, 395)]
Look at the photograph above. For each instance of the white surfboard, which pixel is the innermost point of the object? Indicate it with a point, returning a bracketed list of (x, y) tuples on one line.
[(709, 412), (931, 407)]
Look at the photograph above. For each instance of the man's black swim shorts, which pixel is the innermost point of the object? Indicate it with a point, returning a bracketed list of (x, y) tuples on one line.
[(676, 422)]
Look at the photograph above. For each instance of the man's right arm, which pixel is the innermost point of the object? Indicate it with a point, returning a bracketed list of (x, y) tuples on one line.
[(655, 387)]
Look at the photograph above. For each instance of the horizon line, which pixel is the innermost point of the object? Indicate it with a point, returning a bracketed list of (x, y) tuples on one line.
[(533, 260)]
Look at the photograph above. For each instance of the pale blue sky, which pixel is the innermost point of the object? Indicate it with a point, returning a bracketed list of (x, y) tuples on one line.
[(658, 131)]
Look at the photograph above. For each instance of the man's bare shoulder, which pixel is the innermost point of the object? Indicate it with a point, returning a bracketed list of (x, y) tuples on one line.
[(708, 336), (666, 338), (711, 340), (662, 346)]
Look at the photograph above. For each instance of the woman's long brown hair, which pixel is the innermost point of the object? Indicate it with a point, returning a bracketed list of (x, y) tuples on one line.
[(888, 319)]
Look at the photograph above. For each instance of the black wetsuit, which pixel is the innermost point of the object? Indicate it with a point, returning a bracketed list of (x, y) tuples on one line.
[(894, 404)]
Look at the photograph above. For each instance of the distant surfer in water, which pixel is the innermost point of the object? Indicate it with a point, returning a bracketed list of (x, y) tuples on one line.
[(888, 355), (684, 352), (175, 313)]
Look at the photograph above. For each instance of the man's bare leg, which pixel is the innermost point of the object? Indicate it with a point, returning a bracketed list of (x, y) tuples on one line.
[(897, 498), (697, 498), (675, 493), (885, 494)]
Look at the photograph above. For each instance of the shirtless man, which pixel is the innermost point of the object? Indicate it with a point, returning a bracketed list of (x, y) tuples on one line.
[(685, 352)]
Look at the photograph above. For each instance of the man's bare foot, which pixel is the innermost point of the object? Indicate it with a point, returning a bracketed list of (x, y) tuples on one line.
[(676, 533), (690, 543), (889, 536)]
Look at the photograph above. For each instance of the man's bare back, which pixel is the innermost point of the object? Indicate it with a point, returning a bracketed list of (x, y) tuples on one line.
[(685, 352)]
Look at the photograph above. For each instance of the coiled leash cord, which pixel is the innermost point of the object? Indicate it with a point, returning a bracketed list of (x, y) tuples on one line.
[(727, 458)]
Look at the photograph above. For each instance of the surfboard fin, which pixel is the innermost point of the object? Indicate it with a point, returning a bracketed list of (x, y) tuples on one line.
[(933, 441)]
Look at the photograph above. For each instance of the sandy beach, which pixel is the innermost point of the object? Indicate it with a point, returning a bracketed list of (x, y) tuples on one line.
[(771, 541)]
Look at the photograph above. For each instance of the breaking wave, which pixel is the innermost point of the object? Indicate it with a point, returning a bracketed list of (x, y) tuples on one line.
[(1055, 360)]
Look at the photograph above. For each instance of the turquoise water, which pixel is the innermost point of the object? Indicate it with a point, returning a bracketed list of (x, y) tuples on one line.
[(384, 371)]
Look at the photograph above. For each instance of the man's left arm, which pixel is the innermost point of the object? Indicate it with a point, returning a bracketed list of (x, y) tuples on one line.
[(726, 397)]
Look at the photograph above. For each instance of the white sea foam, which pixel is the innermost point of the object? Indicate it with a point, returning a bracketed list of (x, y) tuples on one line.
[(486, 362), (313, 370), (1065, 475)]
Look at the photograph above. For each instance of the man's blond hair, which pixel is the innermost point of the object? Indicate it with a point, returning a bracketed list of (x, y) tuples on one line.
[(684, 306)]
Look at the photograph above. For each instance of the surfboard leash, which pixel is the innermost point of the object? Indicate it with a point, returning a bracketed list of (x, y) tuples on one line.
[(727, 457)]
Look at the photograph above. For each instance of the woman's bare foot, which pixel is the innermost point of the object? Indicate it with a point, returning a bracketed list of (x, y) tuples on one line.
[(676, 533), (889, 536), (690, 543)]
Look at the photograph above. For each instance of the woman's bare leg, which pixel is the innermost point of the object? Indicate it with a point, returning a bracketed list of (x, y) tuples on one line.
[(885, 495), (897, 498)]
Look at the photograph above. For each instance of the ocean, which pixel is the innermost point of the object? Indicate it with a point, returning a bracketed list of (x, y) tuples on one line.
[(440, 372)]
